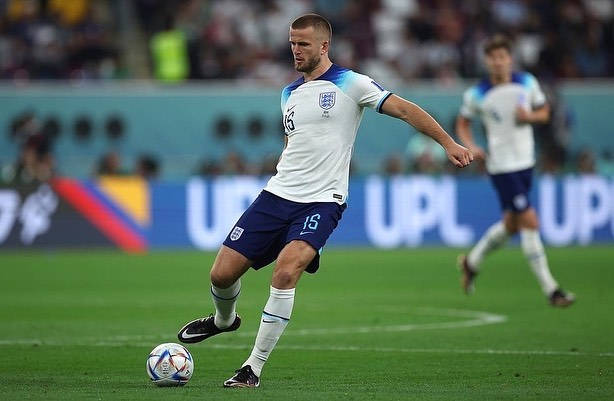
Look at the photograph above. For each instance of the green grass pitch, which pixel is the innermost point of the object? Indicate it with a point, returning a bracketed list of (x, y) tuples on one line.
[(371, 325)]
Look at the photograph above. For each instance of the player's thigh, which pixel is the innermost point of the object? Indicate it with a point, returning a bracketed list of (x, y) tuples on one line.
[(296, 255), (228, 267), (291, 262)]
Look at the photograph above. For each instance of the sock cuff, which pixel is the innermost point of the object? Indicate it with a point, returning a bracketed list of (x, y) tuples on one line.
[(227, 294), (282, 294), (267, 315), (528, 231)]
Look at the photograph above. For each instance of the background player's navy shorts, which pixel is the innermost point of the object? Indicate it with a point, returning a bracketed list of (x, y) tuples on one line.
[(513, 189), (271, 222)]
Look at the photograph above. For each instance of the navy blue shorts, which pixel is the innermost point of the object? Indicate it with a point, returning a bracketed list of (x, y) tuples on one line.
[(271, 222), (513, 189)]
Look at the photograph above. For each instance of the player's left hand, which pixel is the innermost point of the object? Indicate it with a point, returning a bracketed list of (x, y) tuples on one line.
[(523, 116), (459, 155)]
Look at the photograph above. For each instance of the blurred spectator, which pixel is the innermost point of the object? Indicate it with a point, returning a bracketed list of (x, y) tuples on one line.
[(394, 165), (148, 167), (35, 161), (585, 163), (169, 53), (110, 164), (56, 40), (241, 39), (426, 156), (234, 164)]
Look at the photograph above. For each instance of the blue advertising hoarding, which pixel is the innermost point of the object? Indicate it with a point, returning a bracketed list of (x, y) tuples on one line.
[(403, 211)]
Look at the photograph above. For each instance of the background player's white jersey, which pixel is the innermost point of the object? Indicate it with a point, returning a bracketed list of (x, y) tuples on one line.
[(321, 118), (510, 145)]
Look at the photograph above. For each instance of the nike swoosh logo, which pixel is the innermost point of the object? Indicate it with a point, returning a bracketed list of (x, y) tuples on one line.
[(306, 232), (268, 321), (186, 335)]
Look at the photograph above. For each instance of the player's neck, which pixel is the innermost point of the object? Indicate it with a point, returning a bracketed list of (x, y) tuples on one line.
[(500, 79), (319, 70)]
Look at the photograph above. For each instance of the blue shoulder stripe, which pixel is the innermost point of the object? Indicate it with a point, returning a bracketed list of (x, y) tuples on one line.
[(285, 93), (337, 75), (483, 87)]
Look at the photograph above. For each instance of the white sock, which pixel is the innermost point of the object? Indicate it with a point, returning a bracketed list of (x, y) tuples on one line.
[(494, 237), (275, 318), (534, 252), (225, 300)]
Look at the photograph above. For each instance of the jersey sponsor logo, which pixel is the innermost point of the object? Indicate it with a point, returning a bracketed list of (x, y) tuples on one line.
[(327, 100), (338, 196), (236, 233)]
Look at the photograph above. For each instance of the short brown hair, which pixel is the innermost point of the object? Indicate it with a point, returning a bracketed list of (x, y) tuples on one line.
[(498, 41), (316, 21)]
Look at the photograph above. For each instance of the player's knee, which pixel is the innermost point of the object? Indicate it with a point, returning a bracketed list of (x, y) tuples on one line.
[(528, 220), (220, 279), (286, 274), (284, 279)]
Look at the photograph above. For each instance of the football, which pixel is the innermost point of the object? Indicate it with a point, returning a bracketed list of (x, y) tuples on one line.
[(170, 364)]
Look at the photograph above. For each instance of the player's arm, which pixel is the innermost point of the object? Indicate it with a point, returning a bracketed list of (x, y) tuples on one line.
[(539, 115), (412, 114), (465, 134)]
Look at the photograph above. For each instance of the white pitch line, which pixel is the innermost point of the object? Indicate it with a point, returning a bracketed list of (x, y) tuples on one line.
[(331, 348), (476, 318), (420, 350)]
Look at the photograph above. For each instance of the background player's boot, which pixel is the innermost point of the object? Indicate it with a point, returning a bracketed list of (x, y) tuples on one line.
[(243, 377), (203, 328), (561, 299), (467, 274)]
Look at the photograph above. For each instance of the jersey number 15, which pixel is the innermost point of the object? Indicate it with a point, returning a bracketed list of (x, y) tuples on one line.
[(288, 120)]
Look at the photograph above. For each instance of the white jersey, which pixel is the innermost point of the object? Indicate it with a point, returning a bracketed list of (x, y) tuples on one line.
[(510, 145), (321, 118)]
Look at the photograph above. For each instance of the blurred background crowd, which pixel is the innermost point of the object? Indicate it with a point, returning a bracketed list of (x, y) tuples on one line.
[(396, 41)]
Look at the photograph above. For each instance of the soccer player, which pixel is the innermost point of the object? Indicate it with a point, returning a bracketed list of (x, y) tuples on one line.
[(301, 205), (508, 103)]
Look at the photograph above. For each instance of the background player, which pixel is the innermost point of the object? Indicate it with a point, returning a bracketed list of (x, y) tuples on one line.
[(507, 103), (301, 205)]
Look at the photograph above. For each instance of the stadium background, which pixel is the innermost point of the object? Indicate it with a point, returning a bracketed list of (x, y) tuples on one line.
[(135, 99), (147, 126)]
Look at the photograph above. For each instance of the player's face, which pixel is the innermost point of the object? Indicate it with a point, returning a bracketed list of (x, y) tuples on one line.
[(499, 62), (307, 47)]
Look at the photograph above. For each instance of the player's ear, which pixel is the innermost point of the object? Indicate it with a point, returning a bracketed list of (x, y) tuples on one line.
[(325, 46)]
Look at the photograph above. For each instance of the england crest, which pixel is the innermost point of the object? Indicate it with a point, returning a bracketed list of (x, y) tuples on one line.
[(327, 100), (236, 233)]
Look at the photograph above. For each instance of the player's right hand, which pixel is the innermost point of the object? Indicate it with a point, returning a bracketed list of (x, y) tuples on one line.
[(459, 155)]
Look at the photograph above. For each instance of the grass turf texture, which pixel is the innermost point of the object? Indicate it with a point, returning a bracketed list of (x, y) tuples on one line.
[(79, 325)]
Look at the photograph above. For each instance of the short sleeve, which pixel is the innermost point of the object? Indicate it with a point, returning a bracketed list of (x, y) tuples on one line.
[(536, 95), (366, 92), (469, 106)]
